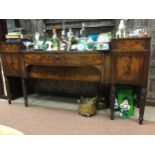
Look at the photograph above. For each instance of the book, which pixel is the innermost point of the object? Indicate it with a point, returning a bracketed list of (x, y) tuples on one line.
[(14, 33), (17, 40), (28, 36)]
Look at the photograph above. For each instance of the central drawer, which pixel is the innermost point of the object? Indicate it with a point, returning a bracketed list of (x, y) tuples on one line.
[(42, 58)]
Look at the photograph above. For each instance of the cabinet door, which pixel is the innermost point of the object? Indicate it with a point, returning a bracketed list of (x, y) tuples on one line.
[(11, 64), (128, 68)]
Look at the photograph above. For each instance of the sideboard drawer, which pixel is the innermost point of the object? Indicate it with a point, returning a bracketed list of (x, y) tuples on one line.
[(131, 44), (63, 59), (11, 47), (11, 64)]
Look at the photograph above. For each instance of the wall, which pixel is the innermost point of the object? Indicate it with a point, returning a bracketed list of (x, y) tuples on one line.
[(32, 25)]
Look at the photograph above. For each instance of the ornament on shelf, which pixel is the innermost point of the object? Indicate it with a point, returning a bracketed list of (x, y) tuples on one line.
[(55, 40), (49, 44), (121, 33), (36, 42)]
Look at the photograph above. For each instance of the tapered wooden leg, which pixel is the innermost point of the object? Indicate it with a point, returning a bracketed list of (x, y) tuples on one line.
[(142, 105), (25, 91), (112, 101), (8, 89)]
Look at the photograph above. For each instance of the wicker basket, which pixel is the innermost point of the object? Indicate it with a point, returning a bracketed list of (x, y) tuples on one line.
[(87, 107)]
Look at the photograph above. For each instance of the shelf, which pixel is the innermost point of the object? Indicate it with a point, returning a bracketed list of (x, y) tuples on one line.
[(76, 23)]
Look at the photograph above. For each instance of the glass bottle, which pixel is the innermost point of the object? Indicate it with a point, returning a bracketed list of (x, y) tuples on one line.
[(63, 41), (69, 39), (55, 40)]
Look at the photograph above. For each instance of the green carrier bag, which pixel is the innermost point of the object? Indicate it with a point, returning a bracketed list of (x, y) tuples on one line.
[(125, 102)]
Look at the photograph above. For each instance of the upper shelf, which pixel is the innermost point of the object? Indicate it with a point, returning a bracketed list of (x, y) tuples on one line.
[(76, 23)]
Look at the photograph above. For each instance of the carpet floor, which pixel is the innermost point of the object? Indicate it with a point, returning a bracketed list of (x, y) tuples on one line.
[(39, 120)]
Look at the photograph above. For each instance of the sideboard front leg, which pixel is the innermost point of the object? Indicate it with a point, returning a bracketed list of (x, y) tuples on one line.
[(8, 89), (142, 104), (112, 101), (25, 91)]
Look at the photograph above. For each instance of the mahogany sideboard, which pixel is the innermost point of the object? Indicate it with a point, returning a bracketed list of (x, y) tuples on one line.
[(126, 63)]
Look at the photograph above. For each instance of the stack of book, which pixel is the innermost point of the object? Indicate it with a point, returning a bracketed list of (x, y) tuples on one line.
[(18, 37)]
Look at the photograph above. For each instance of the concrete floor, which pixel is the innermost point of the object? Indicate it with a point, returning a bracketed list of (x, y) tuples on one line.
[(71, 104)]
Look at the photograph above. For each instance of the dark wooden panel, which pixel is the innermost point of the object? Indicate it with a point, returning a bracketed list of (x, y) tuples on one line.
[(79, 73), (11, 64), (64, 65), (128, 68), (131, 44), (131, 60), (66, 88), (62, 58), (15, 87), (3, 29), (11, 47), (106, 76)]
